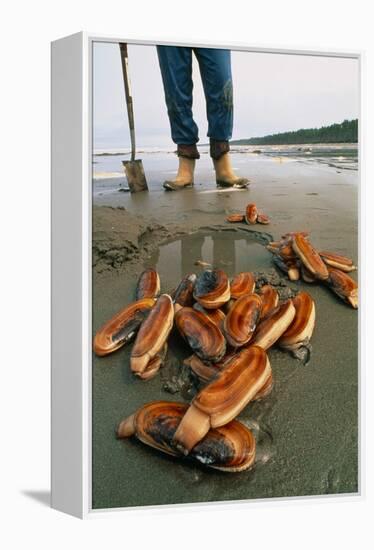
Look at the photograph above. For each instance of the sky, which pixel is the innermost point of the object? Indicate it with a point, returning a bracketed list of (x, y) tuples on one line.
[(272, 93)]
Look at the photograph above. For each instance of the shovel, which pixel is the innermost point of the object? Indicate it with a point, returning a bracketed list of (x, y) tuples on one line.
[(133, 168)]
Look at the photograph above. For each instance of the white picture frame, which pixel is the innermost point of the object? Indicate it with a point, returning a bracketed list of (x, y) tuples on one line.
[(71, 176)]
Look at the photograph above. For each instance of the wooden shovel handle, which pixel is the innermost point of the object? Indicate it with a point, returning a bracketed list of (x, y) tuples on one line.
[(129, 103)]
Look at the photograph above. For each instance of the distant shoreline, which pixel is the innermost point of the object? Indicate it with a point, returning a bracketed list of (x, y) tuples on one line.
[(251, 141), (343, 132)]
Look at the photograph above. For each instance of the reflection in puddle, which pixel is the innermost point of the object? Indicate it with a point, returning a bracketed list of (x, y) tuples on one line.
[(231, 251)]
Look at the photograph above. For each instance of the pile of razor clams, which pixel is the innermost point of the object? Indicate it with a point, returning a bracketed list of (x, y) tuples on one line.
[(296, 256), (228, 327)]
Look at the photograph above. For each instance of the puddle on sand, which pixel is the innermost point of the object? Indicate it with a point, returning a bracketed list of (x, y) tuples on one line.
[(232, 251)]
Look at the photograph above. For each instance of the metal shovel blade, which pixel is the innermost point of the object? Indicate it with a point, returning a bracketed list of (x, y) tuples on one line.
[(135, 175)]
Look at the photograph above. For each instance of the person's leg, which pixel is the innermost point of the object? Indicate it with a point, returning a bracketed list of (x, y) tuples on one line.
[(215, 70), (176, 71)]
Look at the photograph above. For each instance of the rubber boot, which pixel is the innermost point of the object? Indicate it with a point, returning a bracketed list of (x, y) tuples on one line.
[(225, 176), (184, 177)]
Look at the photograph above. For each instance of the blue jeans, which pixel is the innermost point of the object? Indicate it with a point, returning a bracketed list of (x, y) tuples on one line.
[(215, 69)]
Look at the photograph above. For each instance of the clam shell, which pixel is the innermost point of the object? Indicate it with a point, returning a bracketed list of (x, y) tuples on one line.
[(275, 324), (152, 335), (230, 448), (212, 288), (292, 234), (344, 286), (270, 298), (122, 328), (301, 329), (148, 284), (306, 275), (265, 390), (202, 335), (183, 294), (242, 284), (204, 371), (223, 399), (286, 252), (154, 365), (251, 214), (293, 271), (215, 315), (207, 372), (241, 320), (309, 256), (338, 261), (263, 218), (235, 218)]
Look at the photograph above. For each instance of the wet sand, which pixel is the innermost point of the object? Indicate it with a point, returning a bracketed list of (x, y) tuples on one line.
[(306, 429)]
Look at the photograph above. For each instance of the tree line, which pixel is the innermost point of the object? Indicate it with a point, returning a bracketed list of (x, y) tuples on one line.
[(345, 132)]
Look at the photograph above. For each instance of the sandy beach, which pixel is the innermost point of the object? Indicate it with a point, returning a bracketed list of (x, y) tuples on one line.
[(307, 429)]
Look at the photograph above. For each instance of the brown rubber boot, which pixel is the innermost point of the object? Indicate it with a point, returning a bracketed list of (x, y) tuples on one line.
[(225, 176), (184, 177)]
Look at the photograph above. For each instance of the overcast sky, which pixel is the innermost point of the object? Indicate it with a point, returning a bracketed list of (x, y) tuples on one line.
[(272, 93)]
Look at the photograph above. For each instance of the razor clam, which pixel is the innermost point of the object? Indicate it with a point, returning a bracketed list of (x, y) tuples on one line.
[(223, 399), (338, 261), (183, 294), (230, 448), (301, 329), (207, 372), (270, 298), (293, 271), (292, 234), (212, 288), (152, 335), (215, 315), (154, 365), (204, 371), (309, 256), (203, 335), (241, 320), (235, 218), (242, 284), (286, 252), (266, 389), (275, 324), (306, 275), (122, 328), (344, 286), (148, 284), (251, 214)]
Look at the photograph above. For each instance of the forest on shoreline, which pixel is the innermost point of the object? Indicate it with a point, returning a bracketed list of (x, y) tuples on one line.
[(344, 132)]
